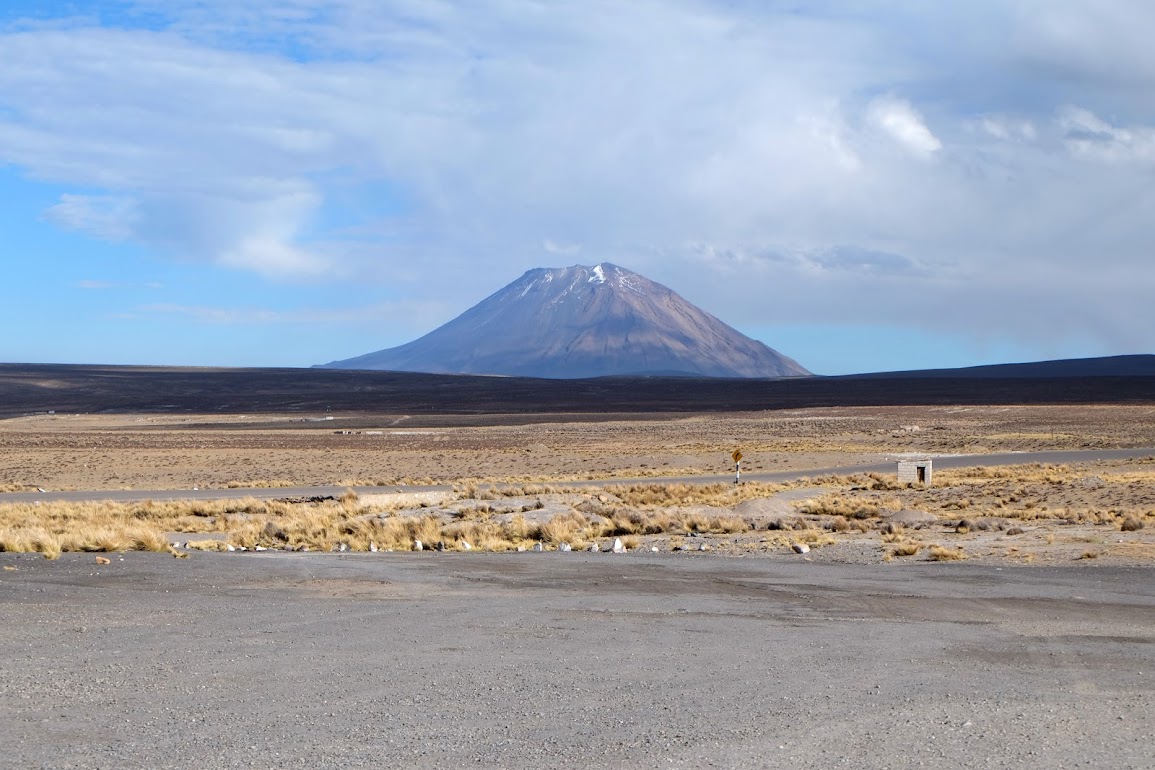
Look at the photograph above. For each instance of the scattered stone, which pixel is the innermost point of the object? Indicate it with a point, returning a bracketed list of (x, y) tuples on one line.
[(521, 549), (565, 547), (372, 547), (654, 548), (618, 546), (341, 548), (272, 531), (102, 560), (593, 548), (537, 547), (465, 546), (418, 545), (440, 545), (229, 547), (800, 548), (912, 518), (703, 546), (260, 548)]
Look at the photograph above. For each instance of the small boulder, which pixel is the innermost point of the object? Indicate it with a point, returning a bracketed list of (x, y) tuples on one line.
[(565, 547), (418, 545), (465, 546), (618, 546), (593, 548), (538, 547), (800, 548)]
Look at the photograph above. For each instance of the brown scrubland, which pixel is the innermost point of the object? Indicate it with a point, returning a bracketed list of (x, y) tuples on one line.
[(510, 484)]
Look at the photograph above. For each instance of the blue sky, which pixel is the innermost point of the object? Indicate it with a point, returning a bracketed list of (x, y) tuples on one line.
[(863, 186)]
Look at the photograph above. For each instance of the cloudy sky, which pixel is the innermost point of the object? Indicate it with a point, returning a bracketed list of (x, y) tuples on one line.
[(872, 185)]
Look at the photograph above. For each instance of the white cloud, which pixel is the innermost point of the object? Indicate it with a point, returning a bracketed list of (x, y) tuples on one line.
[(1087, 135), (108, 217), (409, 142), (903, 123)]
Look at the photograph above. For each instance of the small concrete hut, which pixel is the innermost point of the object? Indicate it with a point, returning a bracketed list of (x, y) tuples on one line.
[(915, 471)]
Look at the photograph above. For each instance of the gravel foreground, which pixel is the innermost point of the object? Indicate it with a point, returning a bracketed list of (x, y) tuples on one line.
[(278, 660)]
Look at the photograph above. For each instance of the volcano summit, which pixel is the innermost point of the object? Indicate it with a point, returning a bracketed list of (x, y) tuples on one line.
[(579, 321)]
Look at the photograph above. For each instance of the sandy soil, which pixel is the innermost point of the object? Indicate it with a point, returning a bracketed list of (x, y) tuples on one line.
[(570, 660), (169, 452)]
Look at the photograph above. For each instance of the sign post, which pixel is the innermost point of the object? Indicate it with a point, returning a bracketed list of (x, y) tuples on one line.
[(737, 455)]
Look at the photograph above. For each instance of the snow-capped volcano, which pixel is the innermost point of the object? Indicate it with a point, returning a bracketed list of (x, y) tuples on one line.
[(583, 322)]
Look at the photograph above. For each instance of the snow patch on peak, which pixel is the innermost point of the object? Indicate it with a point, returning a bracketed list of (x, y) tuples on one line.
[(599, 275)]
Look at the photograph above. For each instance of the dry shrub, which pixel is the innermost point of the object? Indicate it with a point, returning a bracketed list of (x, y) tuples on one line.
[(669, 495), (814, 537), (1131, 523), (941, 553), (563, 528), (849, 507), (838, 524), (906, 549)]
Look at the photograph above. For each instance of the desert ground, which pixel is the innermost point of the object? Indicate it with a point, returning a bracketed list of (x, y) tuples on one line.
[(283, 660), (1002, 616), (512, 486)]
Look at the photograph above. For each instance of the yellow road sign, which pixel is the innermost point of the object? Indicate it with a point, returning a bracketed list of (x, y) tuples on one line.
[(737, 455)]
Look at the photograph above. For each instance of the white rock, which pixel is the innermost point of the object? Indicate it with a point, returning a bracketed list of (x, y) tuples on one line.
[(593, 548), (565, 547), (538, 547), (654, 548), (418, 546), (260, 548), (703, 546), (372, 547), (466, 546), (618, 547), (229, 547), (801, 548), (342, 547), (521, 549)]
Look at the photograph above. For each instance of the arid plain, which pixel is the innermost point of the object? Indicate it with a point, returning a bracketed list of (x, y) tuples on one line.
[(1003, 616)]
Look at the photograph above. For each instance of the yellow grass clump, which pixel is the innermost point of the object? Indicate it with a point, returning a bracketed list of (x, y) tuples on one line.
[(942, 553)]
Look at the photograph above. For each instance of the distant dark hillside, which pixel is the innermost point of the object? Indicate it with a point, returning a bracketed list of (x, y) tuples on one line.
[(1110, 366), (26, 389)]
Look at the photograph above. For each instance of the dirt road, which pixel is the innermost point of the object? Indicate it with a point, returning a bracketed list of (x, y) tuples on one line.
[(570, 660)]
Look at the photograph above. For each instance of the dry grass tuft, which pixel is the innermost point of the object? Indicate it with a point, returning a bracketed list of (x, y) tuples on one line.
[(942, 553), (259, 484), (906, 549)]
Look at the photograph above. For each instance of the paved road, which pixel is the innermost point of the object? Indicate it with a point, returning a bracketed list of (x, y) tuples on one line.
[(941, 462)]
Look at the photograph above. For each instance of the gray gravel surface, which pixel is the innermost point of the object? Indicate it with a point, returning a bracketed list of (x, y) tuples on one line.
[(570, 660)]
